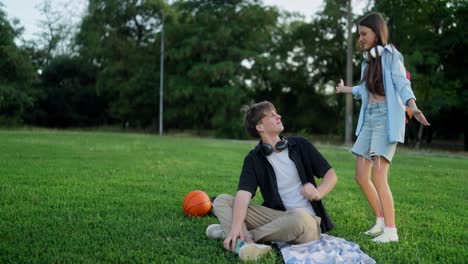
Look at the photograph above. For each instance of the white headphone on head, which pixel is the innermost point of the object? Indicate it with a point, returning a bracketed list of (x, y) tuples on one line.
[(372, 52)]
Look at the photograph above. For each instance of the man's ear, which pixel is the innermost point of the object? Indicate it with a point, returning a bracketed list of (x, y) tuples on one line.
[(259, 127)]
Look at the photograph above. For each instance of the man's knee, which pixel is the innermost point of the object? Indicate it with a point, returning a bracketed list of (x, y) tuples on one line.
[(309, 226), (223, 200), (301, 215)]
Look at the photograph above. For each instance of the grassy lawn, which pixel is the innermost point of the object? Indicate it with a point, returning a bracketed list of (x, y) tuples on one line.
[(95, 197)]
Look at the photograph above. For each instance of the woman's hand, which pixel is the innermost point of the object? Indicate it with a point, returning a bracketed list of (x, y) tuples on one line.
[(340, 87), (418, 114)]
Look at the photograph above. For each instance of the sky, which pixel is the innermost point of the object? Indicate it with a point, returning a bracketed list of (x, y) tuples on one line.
[(27, 10)]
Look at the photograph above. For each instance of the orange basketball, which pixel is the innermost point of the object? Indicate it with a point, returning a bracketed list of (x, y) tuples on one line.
[(196, 203)]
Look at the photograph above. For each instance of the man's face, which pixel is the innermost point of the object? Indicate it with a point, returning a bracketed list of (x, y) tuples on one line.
[(271, 123)]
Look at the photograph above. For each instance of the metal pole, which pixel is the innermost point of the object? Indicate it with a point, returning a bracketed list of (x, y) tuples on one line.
[(349, 78), (161, 79)]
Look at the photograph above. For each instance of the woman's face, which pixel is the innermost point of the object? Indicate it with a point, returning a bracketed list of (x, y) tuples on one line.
[(367, 38)]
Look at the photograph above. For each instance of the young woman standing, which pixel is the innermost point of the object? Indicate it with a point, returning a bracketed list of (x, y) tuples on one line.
[(384, 91)]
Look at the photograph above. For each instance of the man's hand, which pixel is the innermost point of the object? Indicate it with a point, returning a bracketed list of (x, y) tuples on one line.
[(239, 211), (310, 192), (231, 239)]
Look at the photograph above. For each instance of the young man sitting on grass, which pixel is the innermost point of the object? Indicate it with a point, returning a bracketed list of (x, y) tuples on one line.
[(284, 170)]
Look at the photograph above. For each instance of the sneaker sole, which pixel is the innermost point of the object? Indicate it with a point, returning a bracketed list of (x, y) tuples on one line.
[(367, 233), (385, 241), (253, 251)]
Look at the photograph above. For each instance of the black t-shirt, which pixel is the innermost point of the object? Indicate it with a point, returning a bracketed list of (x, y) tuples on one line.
[(257, 172)]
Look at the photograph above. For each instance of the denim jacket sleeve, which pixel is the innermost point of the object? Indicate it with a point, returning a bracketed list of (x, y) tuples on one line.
[(357, 92), (400, 82)]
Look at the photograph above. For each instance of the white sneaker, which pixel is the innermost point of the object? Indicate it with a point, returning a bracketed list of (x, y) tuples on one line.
[(377, 229), (389, 235), (215, 231), (253, 251)]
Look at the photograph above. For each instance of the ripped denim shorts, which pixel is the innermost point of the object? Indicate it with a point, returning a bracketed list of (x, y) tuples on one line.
[(373, 138)]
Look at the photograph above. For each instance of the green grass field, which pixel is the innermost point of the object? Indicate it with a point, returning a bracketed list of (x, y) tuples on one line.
[(96, 197)]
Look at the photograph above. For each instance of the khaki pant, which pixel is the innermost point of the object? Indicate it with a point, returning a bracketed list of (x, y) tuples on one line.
[(264, 224)]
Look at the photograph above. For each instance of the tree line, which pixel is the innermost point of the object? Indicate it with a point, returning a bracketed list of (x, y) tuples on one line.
[(220, 55)]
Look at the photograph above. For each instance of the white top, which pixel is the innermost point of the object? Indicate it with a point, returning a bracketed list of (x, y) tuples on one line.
[(289, 184)]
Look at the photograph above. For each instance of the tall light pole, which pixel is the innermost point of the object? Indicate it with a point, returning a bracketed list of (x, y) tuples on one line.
[(349, 78), (161, 78)]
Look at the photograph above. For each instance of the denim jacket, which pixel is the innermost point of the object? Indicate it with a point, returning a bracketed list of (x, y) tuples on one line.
[(397, 93)]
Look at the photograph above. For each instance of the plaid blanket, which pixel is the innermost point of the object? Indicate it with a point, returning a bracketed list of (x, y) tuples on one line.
[(328, 249)]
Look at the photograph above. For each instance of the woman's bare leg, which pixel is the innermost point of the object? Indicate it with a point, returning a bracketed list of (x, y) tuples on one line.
[(380, 179), (363, 178), (380, 172)]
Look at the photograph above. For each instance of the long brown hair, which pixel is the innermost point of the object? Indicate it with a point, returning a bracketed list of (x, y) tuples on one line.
[(373, 73)]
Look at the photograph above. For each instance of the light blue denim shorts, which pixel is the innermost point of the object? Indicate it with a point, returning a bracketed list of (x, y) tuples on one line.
[(373, 140)]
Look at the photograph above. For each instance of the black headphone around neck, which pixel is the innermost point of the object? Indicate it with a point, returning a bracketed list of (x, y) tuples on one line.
[(267, 149)]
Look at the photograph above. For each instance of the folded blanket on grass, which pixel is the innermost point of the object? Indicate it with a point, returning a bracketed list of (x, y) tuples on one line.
[(328, 249)]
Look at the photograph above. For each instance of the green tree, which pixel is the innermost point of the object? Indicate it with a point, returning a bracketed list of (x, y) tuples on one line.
[(69, 95), (121, 39), (16, 76), (56, 31), (302, 65), (206, 49)]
